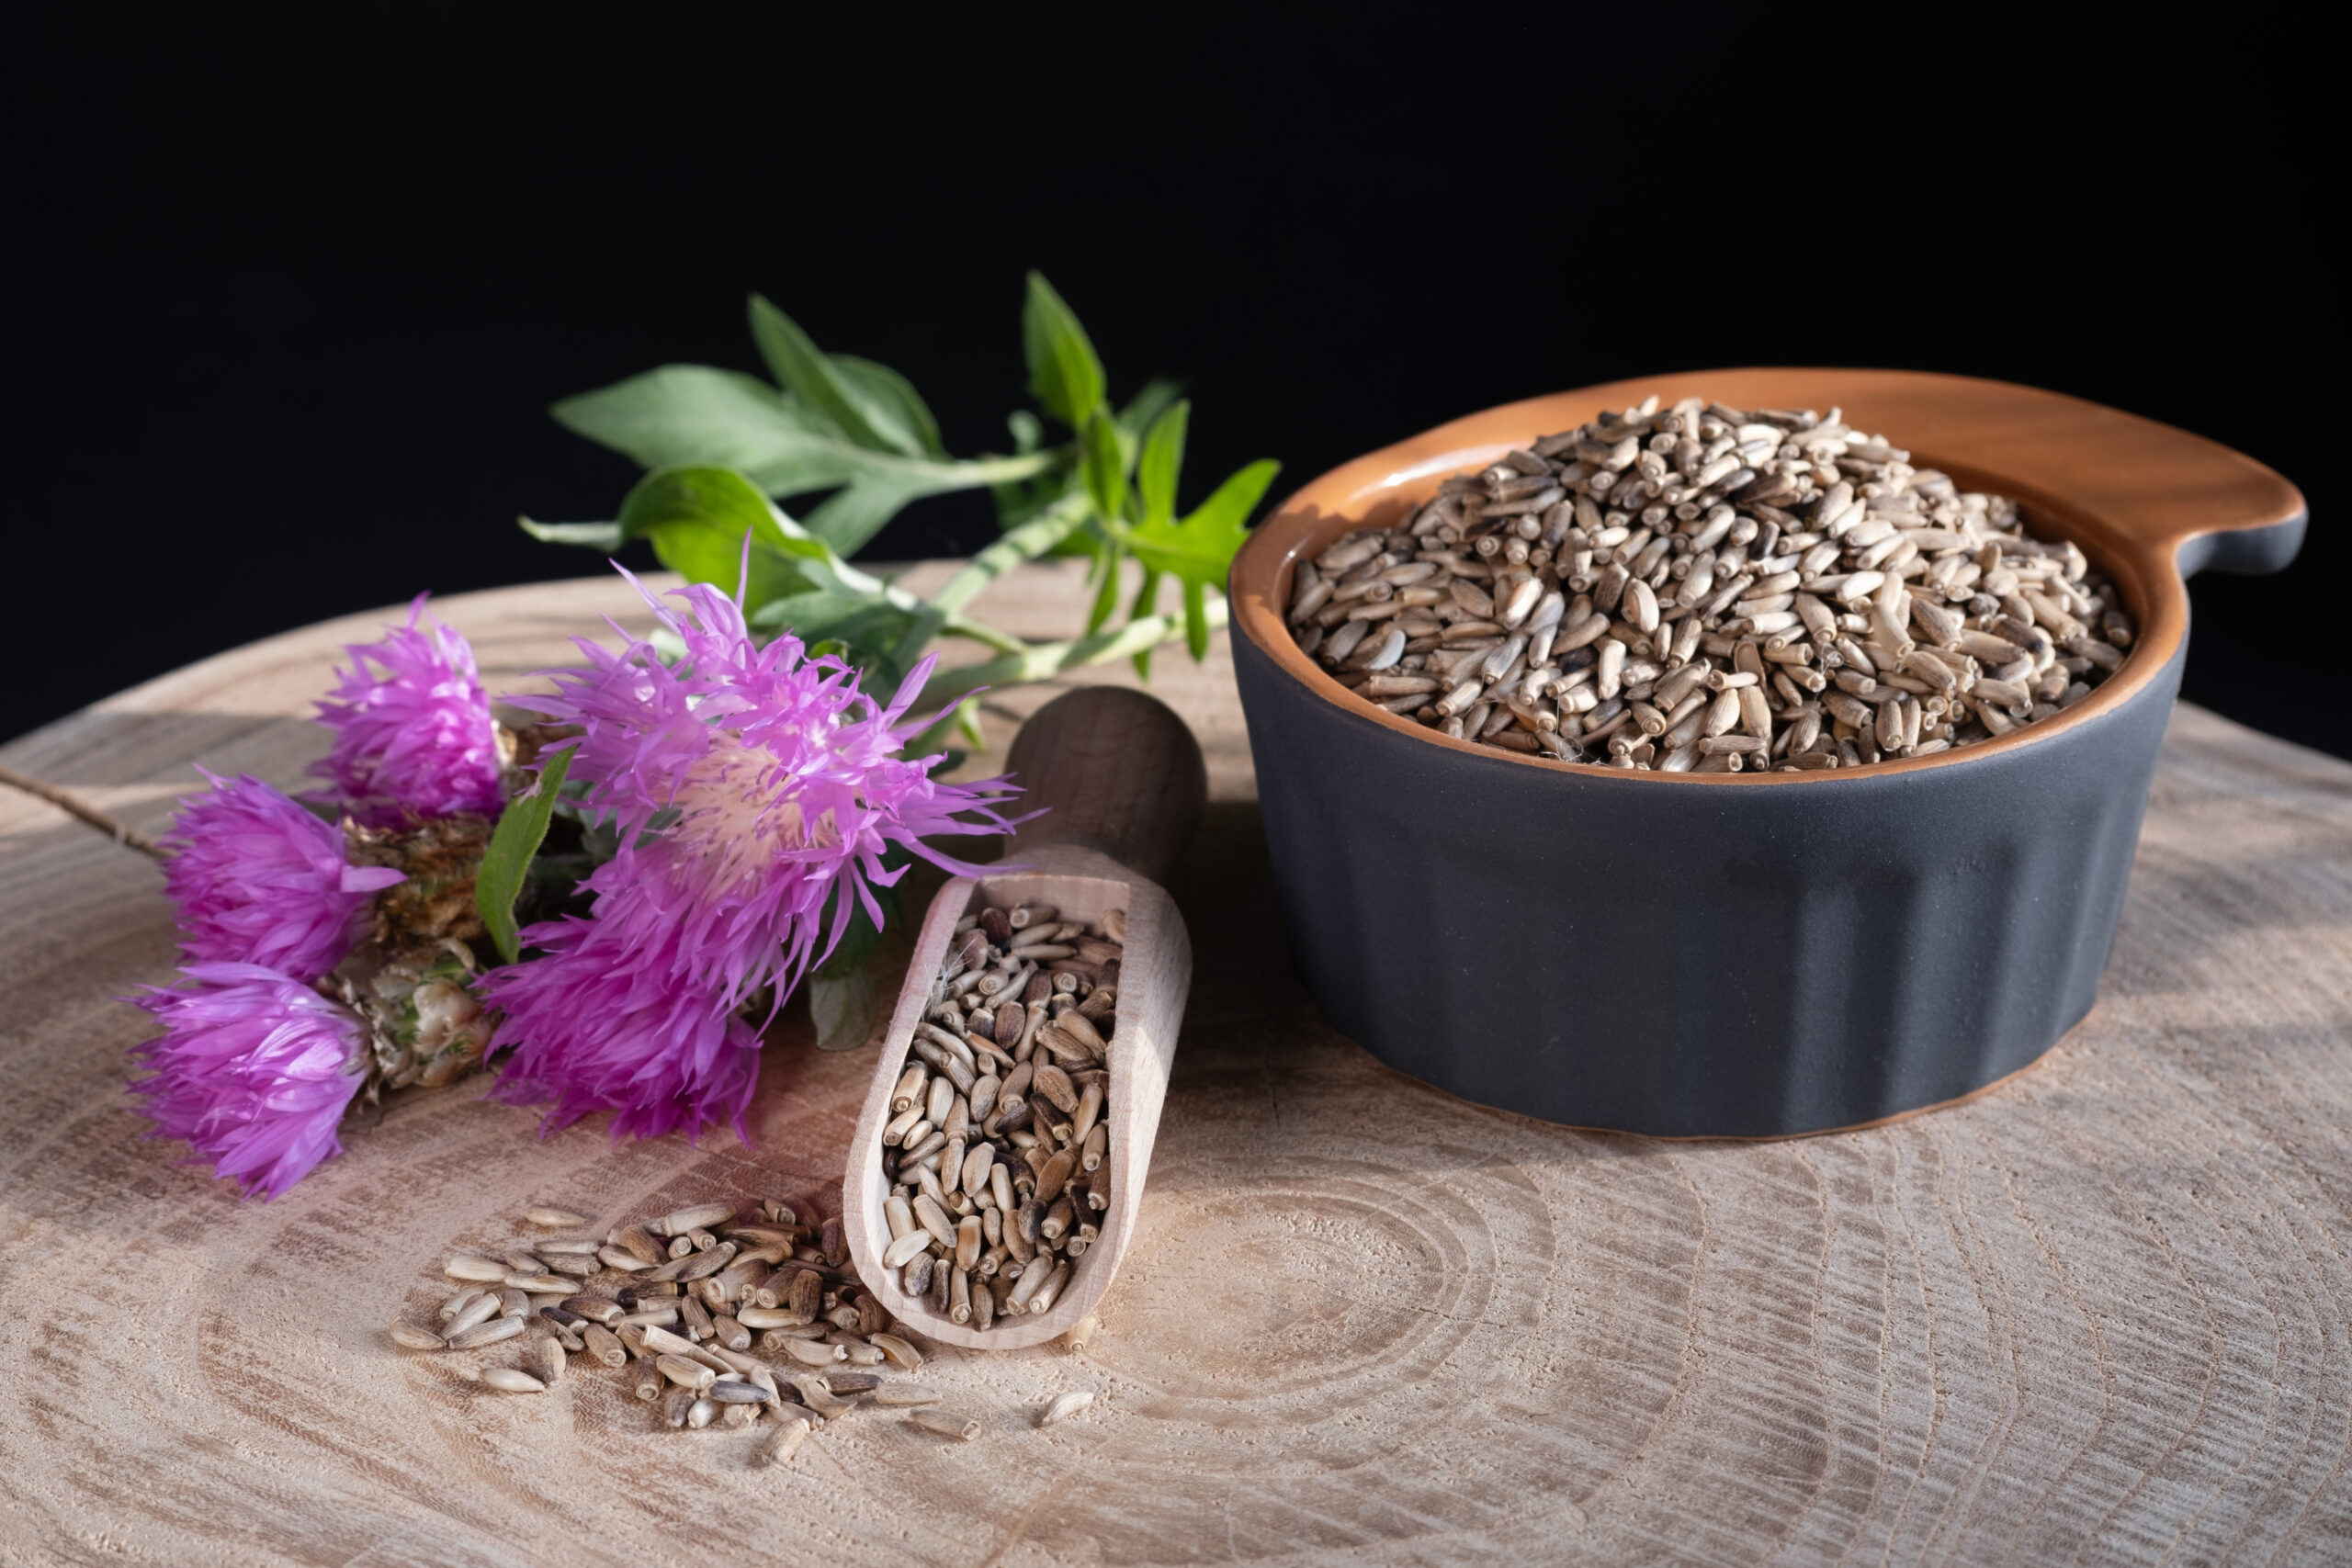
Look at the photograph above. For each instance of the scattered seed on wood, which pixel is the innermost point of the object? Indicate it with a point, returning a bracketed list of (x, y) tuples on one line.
[(1063, 1407), (506, 1379), (677, 1404), (735, 1391), (490, 1333), (779, 1446), (947, 1424), (701, 1216), (819, 1396), (900, 1350), (480, 1306), (907, 1394), (685, 1373), (826, 1326)]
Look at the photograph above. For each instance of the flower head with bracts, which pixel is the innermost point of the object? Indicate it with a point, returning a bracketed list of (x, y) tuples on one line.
[(260, 880), (413, 734), (252, 1070), (256, 1063), (756, 790)]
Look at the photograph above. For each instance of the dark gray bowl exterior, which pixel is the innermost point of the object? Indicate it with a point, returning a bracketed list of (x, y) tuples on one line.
[(1687, 959)]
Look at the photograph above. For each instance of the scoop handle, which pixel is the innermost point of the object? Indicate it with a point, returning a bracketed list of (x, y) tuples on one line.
[(1116, 771)]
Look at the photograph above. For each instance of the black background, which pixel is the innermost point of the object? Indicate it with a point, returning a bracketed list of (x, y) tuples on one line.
[(288, 293)]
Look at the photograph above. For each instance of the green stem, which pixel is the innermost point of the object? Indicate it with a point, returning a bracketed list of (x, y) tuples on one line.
[(1043, 661), (1009, 470), (1002, 642), (1025, 543)]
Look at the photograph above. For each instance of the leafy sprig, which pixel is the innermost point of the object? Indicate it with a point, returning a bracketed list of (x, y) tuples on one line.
[(723, 448)]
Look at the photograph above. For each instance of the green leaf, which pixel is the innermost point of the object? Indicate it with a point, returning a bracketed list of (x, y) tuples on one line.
[(1196, 621), (716, 498), (819, 383), (843, 1007), (1065, 375), (1163, 457), (848, 518), (1106, 597), (866, 630), (860, 938), (693, 416), (606, 536), (1148, 404), (697, 519), (700, 553), (1200, 548), (1147, 604), (893, 399), (1104, 464), (513, 844)]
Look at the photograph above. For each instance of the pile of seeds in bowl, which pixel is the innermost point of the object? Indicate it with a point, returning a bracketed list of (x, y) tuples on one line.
[(1708, 589), (715, 1320), (996, 1149)]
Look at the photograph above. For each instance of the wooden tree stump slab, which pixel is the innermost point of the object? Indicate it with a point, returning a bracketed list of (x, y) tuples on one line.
[(2098, 1315)]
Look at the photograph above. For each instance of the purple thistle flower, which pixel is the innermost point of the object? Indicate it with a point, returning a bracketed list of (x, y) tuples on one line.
[(253, 1071), (417, 739), (748, 785), (598, 1023), (259, 880)]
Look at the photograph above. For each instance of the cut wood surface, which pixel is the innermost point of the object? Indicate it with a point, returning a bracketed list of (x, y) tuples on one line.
[(2098, 1315)]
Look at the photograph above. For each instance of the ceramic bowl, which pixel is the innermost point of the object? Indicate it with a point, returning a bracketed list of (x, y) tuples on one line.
[(1752, 954)]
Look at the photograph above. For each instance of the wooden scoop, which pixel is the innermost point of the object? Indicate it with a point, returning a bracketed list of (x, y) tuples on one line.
[(1124, 783)]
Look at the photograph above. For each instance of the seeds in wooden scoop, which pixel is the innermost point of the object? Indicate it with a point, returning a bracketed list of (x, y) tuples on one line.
[(1006, 1082), (1711, 590)]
